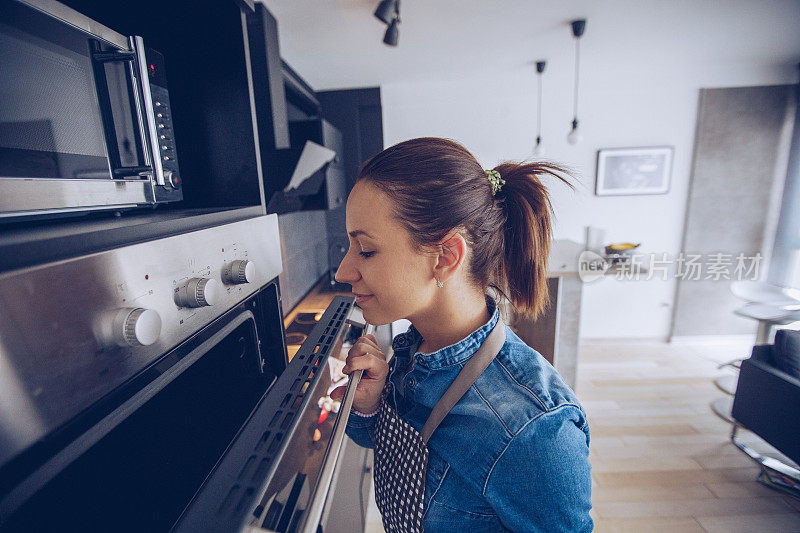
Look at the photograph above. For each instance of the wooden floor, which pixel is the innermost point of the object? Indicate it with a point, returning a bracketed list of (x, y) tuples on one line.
[(661, 460)]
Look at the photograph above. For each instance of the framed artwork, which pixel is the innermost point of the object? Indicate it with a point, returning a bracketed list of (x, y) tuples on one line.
[(628, 171)]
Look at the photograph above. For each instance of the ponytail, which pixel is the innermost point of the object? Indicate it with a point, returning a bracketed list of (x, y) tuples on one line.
[(527, 234)]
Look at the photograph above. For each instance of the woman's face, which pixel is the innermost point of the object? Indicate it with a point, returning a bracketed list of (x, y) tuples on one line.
[(380, 264)]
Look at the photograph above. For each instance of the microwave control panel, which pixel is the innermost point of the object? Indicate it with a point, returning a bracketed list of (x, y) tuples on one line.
[(165, 137), (152, 70)]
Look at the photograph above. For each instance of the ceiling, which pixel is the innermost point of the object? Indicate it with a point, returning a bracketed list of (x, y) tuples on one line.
[(338, 43)]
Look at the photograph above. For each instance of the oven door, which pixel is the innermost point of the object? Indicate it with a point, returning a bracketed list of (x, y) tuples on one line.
[(72, 124), (224, 436), (279, 472), (138, 467)]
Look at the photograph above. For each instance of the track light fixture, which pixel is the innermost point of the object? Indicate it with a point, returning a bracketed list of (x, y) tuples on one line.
[(578, 27), (388, 12)]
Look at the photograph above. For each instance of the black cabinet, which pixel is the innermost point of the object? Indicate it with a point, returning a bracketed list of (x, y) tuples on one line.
[(325, 134), (325, 189), (357, 114), (289, 114), (203, 43), (269, 92)]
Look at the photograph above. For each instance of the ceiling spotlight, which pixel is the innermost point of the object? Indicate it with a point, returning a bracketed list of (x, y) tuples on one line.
[(392, 33), (386, 10)]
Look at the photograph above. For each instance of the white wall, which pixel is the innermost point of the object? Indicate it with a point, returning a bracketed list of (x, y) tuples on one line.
[(495, 118), (464, 69)]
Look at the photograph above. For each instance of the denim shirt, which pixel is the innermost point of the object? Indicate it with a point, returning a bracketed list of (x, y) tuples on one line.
[(512, 454)]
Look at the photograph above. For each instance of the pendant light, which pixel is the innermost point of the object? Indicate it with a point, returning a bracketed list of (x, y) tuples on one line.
[(388, 12), (578, 27), (538, 149)]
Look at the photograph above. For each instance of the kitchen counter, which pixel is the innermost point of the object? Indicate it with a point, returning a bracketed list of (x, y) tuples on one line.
[(556, 333), (563, 260)]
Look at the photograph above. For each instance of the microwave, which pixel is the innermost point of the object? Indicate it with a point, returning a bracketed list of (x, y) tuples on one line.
[(85, 116)]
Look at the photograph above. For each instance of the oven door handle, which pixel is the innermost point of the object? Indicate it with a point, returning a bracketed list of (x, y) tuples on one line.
[(320, 498)]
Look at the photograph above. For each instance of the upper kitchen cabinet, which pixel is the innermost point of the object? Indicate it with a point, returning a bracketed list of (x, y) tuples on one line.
[(203, 44), (289, 115), (357, 114)]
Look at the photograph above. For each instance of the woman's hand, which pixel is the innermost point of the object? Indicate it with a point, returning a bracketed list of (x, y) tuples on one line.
[(365, 355)]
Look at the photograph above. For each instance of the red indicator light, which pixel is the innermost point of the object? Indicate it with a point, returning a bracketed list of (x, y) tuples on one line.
[(323, 415), (152, 67)]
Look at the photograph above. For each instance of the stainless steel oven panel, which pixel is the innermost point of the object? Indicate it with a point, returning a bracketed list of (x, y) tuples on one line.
[(70, 16), (44, 473), (23, 196), (59, 349)]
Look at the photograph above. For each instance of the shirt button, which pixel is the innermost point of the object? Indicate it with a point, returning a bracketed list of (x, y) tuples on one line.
[(410, 382)]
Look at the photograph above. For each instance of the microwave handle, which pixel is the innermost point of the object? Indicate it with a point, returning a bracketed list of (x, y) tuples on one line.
[(137, 84), (129, 59)]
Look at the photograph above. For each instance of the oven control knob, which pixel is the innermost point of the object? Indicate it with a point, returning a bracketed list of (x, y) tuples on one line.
[(137, 327), (237, 272), (198, 292)]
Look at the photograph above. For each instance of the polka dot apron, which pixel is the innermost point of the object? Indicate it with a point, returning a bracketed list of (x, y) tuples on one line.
[(401, 452)]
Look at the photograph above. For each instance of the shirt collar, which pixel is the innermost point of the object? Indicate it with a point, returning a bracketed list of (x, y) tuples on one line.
[(455, 353)]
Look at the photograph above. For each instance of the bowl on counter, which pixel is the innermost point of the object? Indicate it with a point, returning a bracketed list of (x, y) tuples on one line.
[(620, 252)]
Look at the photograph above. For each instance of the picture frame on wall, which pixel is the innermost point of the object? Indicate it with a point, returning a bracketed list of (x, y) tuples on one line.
[(633, 171)]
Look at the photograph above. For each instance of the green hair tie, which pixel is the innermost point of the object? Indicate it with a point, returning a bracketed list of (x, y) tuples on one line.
[(495, 179)]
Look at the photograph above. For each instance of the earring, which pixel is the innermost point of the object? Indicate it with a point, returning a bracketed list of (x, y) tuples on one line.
[(439, 283)]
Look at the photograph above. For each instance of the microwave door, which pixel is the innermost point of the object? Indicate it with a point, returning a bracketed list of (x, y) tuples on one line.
[(119, 94)]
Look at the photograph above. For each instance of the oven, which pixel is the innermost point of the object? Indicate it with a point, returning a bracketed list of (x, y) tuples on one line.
[(85, 116), (148, 388)]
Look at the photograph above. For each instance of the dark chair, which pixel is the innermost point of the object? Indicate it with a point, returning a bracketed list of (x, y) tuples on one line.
[(767, 400)]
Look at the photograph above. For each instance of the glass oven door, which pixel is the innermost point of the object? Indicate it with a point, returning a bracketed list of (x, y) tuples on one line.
[(277, 474)]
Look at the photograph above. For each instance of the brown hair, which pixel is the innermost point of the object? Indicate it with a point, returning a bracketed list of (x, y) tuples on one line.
[(437, 185)]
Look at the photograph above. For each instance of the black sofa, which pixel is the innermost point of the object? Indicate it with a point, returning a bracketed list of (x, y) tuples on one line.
[(767, 399)]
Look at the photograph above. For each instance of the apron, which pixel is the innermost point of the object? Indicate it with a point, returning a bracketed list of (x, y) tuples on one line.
[(401, 452)]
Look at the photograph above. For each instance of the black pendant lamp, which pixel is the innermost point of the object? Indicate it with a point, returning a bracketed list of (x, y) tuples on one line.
[(578, 27), (388, 12), (538, 150)]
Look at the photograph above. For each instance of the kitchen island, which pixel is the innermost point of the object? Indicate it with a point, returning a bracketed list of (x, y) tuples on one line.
[(556, 333)]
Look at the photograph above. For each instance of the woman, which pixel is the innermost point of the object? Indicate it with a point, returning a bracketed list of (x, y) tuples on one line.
[(430, 233)]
